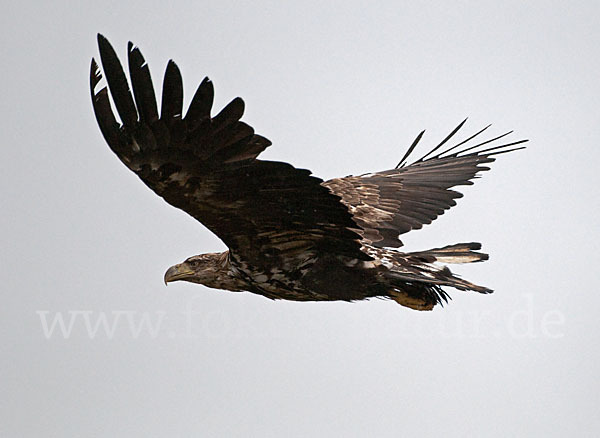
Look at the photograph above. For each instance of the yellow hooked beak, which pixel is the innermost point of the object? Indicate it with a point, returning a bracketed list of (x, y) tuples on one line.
[(178, 272)]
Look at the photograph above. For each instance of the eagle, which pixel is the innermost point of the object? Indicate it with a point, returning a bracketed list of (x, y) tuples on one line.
[(289, 234)]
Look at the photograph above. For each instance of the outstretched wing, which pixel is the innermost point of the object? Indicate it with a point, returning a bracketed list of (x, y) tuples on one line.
[(389, 203), (268, 213)]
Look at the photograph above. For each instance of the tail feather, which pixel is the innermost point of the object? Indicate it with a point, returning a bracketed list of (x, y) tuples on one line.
[(416, 279), (458, 253)]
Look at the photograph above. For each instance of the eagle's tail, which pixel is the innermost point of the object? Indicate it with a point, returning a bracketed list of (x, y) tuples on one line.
[(417, 279), (458, 253)]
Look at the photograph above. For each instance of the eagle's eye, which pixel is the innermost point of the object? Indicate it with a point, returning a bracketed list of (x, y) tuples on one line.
[(193, 263)]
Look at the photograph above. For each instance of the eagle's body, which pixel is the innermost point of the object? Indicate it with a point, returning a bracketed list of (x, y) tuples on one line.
[(290, 235)]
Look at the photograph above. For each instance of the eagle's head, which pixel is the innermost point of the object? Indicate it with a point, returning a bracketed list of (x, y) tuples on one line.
[(210, 269)]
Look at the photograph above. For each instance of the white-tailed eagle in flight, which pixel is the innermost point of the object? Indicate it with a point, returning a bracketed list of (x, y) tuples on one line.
[(290, 235)]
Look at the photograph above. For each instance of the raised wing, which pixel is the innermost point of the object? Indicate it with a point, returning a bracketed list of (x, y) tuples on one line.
[(268, 213), (389, 203)]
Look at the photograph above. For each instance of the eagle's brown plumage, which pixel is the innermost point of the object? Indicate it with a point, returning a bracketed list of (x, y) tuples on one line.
[(290, 235)]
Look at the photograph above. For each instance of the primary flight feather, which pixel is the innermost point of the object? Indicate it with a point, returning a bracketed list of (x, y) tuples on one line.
[(290, 235)]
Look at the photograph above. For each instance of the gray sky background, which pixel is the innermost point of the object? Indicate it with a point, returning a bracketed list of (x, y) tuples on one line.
[(340, 88)]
